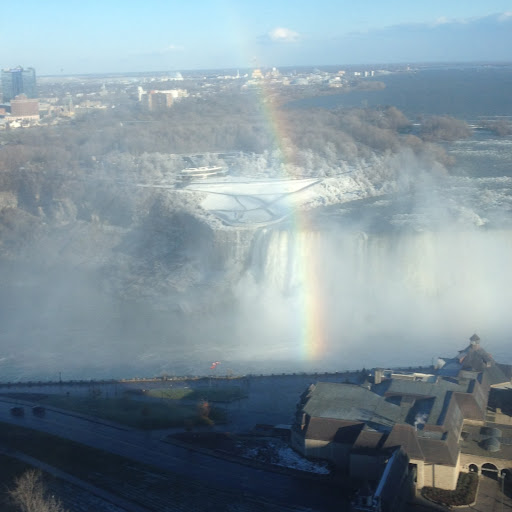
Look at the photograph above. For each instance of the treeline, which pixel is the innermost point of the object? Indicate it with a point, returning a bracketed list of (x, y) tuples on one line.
[(86, 168), (225, 122)]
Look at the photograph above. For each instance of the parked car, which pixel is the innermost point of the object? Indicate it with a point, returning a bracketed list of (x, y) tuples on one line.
[(38, 410), (17, 411)]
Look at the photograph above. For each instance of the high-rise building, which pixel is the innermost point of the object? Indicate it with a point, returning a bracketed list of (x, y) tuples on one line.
[(18, 81), (29, 82)]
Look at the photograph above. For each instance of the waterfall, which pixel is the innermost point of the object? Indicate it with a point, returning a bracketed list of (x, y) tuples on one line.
[(392, 293)]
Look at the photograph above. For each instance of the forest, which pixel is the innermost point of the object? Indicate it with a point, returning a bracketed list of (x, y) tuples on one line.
[(85, 168)]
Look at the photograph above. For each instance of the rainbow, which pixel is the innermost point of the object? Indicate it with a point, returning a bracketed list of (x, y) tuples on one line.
[(311, 310)]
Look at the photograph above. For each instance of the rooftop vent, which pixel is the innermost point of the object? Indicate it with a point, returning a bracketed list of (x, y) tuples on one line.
[(491, 444), (490, 431)]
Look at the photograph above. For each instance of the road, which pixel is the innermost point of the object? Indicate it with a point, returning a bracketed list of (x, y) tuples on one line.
[(490, 497), (228, 476)]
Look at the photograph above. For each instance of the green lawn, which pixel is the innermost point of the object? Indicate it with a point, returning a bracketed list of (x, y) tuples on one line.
[(106, 470), (138, 413), (142, 484), (464, 494), (212, 394)]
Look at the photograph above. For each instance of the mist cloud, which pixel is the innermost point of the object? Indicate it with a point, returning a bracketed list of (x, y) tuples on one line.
[(283, 35)]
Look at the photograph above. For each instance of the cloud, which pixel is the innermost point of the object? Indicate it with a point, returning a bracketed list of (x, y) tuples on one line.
[(445, 39), (474, 21), (172, 48), (283, 35), (441, 21)]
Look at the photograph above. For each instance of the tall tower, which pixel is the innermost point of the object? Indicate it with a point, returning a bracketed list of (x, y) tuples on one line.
[(28, 78), (18, 81)]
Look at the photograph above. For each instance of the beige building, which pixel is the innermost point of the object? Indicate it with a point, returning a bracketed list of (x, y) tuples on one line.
[(23, 107), (160, 99), (440, 420)]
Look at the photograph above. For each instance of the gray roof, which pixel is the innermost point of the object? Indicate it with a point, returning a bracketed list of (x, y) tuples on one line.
[(451, 368), (352, 403), (506, 370), (478, 440), (420, 389), (328, 429), (475, 358), (496, 375), (368, 441), (437, 451), (405, 436)]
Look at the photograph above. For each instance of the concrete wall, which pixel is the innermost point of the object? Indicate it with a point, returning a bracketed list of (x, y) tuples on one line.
[(339, 454), (297, 442), (420, 472), (502, 419), (466, 459), (443, 477)]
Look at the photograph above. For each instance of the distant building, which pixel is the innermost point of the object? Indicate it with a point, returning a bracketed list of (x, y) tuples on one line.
[(176, 76), (201, 173), (158, 100), (18, 81), (21, 106), (257, 74)]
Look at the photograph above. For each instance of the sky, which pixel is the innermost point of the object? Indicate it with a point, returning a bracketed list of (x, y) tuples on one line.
[(72, 37)]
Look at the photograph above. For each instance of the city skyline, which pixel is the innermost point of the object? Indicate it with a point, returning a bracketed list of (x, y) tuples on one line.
[(59, 37)]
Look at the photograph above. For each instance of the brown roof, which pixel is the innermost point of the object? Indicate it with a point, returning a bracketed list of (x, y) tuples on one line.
[(330, 429), (469, 407), (404, 436), (506, 370), (368, 441)]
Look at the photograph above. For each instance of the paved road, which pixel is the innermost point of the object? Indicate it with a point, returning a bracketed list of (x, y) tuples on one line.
[(136, 445), (489, 498)]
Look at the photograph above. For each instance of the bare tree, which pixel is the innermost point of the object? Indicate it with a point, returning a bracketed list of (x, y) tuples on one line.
[(30, 495)]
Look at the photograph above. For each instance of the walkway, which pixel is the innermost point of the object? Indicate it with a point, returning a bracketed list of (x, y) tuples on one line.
[(490, 497)]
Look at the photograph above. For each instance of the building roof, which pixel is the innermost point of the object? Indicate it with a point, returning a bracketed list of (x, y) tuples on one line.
[(491, 441), (352, 403), (506, 369), (496, 375), (423, 416), (405, 436), (411, 391), (328, 429), (369, 441), (438, 451)]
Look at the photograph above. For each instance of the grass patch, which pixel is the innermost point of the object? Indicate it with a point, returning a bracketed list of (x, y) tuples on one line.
[(10, 469), (464, 494), (142, 484), (215, 394), (106, 470), (138, 413), (72, 457)]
